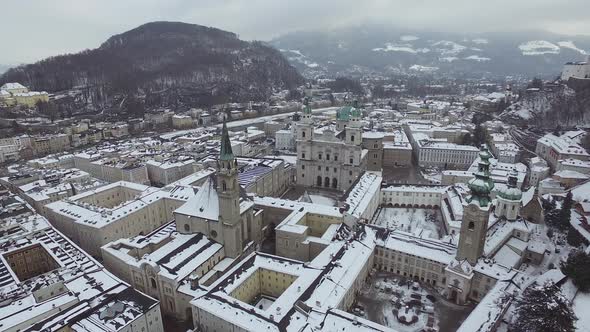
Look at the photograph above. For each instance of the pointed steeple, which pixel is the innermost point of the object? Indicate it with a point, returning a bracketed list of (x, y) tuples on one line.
[(226, 152)]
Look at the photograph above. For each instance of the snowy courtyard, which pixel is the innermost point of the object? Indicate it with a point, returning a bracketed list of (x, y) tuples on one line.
[(263, 302), (411, 220), (406, 306)]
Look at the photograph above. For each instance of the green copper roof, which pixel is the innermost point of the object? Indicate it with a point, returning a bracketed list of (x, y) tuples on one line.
[(481, 186), (511, 192), (344, 113), (306, 107), (226, 153)]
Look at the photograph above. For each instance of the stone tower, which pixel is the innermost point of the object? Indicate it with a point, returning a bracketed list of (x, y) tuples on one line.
[(228, 191), (305, 126), (476, 211), (354, 132), (509, 200)]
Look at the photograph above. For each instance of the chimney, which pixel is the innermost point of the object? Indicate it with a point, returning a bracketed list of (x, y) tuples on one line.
[(194, 280)]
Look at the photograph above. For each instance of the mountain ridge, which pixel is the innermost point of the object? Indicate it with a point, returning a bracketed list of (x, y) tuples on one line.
[(390, 50), (164, 63)]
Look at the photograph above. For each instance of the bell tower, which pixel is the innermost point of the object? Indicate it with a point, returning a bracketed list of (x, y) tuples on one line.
[(228, 192), (354, 133), (476, 212)]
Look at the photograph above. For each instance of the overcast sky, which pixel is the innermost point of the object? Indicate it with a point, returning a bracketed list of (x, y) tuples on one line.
[(34, 29)]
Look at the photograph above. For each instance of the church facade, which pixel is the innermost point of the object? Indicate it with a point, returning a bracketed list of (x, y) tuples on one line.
[(333, 158)]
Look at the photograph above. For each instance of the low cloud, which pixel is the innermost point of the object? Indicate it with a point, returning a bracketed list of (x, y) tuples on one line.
[(35, 29)]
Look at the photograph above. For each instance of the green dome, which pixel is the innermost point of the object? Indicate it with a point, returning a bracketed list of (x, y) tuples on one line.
[(511, 192), (344, 113), (356, 112)]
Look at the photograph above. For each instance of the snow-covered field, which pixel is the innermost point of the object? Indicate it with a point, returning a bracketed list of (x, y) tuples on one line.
[(572, 46), (395, 47), (425, 69), (387, 298), (322, 200), (411, 220), (538, 47), (477, 58)]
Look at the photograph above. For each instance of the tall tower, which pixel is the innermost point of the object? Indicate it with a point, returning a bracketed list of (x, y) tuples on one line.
[(476, 212), (304, 144), (228, 192), (354, 133), (509, 200)]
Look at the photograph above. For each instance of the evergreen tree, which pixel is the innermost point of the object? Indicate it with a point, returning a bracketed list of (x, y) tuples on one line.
[(565, 212), (574, 238), (479, 135), (577, 267), (543, 309), (467, 139)]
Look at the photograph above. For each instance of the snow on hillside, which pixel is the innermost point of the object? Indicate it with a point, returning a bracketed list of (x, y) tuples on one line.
[(393, 47), (569, 44), (447, 47), (477, 58), (299, 57), (480, 41), (407, 38), (538, 47), (424, 69), (448, 59)]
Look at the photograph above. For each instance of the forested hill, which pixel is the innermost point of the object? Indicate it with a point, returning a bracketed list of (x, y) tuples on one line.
[(164, 63)]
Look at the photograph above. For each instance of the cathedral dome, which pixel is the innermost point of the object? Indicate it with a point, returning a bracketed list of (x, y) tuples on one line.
[(512, 194), (344, 113)]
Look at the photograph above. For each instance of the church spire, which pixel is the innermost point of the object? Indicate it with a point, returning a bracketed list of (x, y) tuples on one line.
[(481, 186), (226, 152)]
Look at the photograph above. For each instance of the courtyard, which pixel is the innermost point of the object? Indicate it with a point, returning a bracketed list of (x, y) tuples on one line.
[(407, 306), (411, 220)]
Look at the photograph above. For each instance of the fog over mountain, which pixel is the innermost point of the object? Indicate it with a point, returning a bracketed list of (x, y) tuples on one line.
[(64, 26), (380, 48)]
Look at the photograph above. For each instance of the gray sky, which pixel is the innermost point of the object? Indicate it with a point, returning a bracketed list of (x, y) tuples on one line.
[(34, 29)]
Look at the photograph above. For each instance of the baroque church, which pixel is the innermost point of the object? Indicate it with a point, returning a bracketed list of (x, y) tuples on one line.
[(330, 157), (221, 210)]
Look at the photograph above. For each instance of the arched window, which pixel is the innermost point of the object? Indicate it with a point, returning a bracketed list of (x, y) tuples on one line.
[(303, 134), (327, 156), (471, 225), (153, 281), (334, 183), (223, 186), (187, 228), (352, 138), (319, 181), (327, 182)]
